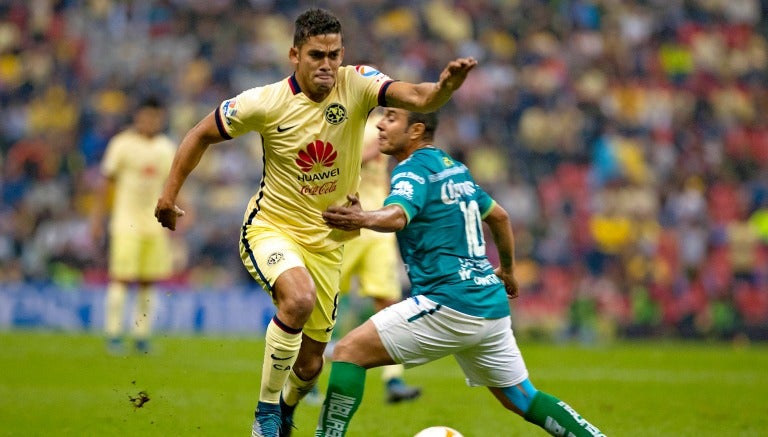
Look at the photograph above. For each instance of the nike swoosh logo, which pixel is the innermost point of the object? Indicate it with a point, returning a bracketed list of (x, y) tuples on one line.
[(280, 359), (329, 329), (283, 129)]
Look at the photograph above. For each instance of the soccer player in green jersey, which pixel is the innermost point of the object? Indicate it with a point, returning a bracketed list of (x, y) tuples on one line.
[(311, 124), (459, 302)]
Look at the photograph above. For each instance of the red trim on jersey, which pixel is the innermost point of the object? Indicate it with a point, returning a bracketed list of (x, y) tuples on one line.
[(294, 84)]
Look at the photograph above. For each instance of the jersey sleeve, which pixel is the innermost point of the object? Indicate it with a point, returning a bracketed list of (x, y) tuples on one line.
[(375, 84), (111, 160), (242, 114), (484, 201), (408, 189)]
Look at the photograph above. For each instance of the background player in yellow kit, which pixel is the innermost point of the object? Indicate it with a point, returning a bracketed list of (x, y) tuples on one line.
[(372, 258), (311, 124), (135, 165)]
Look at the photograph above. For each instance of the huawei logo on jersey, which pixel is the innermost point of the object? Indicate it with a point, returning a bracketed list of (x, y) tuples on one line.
[(316, 153), (316, 163)]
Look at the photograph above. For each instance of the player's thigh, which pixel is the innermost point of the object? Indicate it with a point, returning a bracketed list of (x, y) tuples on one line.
[(350, 263), (495, 360), (267, 253), (156, 260), (324, 269), (417, 330), (124, 256), (378, 273)]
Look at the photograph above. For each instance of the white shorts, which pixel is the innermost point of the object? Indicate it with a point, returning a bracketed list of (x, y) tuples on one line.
[(418, 330)]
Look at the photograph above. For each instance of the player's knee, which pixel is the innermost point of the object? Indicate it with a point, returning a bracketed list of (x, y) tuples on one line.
[(344, 350), (298, 303)]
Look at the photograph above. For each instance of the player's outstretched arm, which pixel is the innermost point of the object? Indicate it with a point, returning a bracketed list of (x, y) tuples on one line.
[(501, 231), (188, 155), (430, 96), (351, 217)]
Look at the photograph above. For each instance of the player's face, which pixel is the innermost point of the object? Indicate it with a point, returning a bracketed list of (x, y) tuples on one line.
[(317, 62), (149, 121), (394, 133)]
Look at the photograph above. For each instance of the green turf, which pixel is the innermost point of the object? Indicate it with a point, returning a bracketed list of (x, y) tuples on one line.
[(65, 384)]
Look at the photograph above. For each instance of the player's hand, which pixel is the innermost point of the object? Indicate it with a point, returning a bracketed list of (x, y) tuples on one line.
[(510, 283), (167, 213), (455, 72), (347, 217)]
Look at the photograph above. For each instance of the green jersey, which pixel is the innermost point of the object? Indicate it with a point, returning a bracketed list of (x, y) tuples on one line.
[(443, 245)]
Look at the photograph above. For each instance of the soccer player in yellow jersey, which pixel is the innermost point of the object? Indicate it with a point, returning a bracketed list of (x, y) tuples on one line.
[(311, 124), (372, 258), (135, 165)]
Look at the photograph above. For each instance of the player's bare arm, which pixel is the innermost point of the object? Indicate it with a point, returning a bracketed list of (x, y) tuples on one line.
[(501, 231), (430, 96), (191, 149), (351, 217), (100, 209)]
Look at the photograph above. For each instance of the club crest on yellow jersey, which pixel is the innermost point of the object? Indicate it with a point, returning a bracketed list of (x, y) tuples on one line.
[(335, 113)]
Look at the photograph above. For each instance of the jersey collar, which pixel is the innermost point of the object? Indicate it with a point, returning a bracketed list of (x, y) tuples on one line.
[(294, 84)]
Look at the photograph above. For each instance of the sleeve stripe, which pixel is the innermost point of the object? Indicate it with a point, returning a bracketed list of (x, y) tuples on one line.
[(402, 206), (220, 124), (383, 93), (488, 211)]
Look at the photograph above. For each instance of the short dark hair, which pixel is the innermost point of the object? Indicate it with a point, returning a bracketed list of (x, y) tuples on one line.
[(315, 22), (429, 120), (152, 102)]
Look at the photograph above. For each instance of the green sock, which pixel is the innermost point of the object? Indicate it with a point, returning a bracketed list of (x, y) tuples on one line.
[(558, 418), (343, 397)]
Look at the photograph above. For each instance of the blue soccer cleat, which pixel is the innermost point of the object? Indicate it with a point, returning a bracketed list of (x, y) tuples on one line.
[(267, 420), (398, 391)]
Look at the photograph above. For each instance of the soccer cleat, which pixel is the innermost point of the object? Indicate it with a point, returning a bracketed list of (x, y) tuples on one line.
[(142, 346), (398, 391), (286, 418), (115, 346), (267, 420)]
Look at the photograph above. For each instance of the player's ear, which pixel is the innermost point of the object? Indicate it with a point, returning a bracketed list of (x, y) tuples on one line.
[(417, 130), (293, 55)]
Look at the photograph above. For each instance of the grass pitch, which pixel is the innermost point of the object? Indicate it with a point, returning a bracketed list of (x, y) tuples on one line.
[(66, 384)]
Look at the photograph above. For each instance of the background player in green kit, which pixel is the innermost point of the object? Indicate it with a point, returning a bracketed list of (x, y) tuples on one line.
[(459, 303)]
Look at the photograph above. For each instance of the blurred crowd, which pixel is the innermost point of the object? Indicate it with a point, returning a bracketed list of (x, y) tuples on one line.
[(627, 139)]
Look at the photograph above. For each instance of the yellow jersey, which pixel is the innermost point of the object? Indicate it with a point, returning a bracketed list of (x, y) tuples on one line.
[(312, 151), (138, 166), (374, 176)]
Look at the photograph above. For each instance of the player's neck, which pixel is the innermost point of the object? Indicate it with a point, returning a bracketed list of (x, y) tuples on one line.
[(413, 148)]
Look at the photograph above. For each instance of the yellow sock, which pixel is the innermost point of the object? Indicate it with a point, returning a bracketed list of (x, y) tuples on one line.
[(296, 388), (142, 316), (392, 371), (114, 305), (280, 353)]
